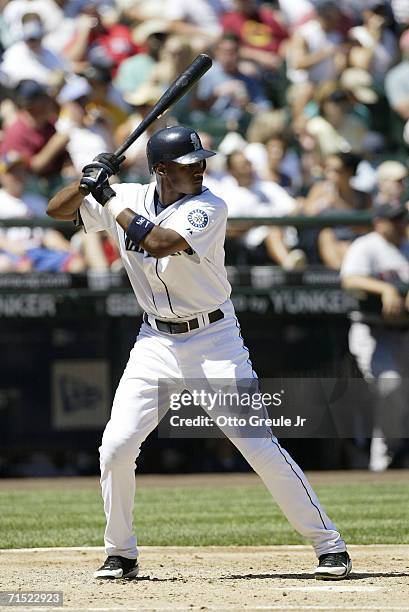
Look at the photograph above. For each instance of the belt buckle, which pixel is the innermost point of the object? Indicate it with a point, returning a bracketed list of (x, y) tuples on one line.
[(174, 328)]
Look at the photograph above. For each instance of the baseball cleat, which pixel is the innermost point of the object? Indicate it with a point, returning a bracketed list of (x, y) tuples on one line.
[(333, 566), (118, 567)]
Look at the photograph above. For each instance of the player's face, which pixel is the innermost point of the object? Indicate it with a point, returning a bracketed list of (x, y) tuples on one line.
[(185, 179)]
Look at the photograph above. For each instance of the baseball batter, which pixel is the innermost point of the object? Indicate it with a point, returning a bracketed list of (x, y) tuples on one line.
[(171, 238)]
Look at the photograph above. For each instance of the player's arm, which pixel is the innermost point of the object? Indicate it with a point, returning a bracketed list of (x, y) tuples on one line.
[(392, 302), (158, 241), (64, 205), (66, 202)]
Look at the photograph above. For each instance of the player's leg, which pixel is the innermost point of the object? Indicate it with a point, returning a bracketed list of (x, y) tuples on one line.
[(227, 357), (134, 415)]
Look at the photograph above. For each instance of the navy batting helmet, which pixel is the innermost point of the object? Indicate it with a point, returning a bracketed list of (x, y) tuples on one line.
[(178, 144)]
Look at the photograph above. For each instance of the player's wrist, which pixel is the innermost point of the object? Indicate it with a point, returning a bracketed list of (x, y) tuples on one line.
[(115, 207), (138, 228)]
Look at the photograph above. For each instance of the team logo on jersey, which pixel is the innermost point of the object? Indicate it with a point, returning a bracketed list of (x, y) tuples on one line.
[(198, 218), (194, 139)]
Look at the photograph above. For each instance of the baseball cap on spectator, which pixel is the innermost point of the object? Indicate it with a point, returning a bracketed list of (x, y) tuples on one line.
[(321, 6), (97, 73), (359, 82), (28, 90), (146, 94), (10, 160), (75, 88), (154, 26), (372, 5), (391, 170), (391, 211)]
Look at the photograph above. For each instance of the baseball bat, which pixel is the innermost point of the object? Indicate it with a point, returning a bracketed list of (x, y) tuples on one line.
[(174, 92)]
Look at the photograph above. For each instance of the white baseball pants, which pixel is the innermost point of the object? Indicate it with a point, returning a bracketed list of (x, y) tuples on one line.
[(215, 351)]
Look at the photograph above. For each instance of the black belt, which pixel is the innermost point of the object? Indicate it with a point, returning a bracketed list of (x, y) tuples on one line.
[(183, 326)]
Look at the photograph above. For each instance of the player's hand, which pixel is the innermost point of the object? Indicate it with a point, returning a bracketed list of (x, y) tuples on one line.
[(96, 178), (110, 162), (392, 303)]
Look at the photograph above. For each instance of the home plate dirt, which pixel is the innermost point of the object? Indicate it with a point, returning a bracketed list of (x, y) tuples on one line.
[(218, 578)]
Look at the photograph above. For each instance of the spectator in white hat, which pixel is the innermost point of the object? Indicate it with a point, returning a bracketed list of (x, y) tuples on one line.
[(30, 59), (87, 132), (391, 176)]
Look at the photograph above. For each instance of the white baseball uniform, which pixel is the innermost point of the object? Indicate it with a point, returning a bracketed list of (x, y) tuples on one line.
[(184, 287), (381, 351)]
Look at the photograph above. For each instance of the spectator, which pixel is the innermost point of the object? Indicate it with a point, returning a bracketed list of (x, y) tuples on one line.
[(391, 177), (376, 264), (15, 199), (29, 248), (141, 102), (29, 59), (200, 20), (337, 128), (33, 134), (225, 91), (175, 55), (136, 70), (86, 131), (48, 11), (397, 81), (96, 40), (376, 48), (105, 99), (315, 53), (246, 196), (335, 195), (296, 13), (260, 32)]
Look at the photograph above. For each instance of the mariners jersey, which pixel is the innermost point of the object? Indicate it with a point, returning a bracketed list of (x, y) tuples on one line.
[(182, 284)]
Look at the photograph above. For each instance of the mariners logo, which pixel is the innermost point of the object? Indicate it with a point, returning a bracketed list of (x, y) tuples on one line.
[(198, 218), (194, 139)]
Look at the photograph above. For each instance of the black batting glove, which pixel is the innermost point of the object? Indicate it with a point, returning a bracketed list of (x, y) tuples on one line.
[(96, 178), (110, 162)]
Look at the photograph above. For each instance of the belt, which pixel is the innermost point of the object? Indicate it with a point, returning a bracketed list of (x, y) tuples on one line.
[(183, 326)]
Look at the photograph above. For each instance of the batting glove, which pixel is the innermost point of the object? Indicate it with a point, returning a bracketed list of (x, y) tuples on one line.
[(96, 178), (110, 162)]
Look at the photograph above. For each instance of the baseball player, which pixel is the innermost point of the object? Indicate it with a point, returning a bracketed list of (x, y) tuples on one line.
[(378, 265), (171, 235)]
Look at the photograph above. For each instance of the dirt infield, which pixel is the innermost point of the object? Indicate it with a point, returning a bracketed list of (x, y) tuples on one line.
[(221, 578)]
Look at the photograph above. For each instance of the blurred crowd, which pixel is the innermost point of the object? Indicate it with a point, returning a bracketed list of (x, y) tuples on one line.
[(307, 103)]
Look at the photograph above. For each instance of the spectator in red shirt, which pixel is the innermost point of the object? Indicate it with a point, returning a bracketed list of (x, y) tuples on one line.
[(259, 31), (33, 134), (100, 42)]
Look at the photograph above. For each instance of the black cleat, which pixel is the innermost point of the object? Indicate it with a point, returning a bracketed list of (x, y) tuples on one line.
[(118, 567), (333, 566)]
